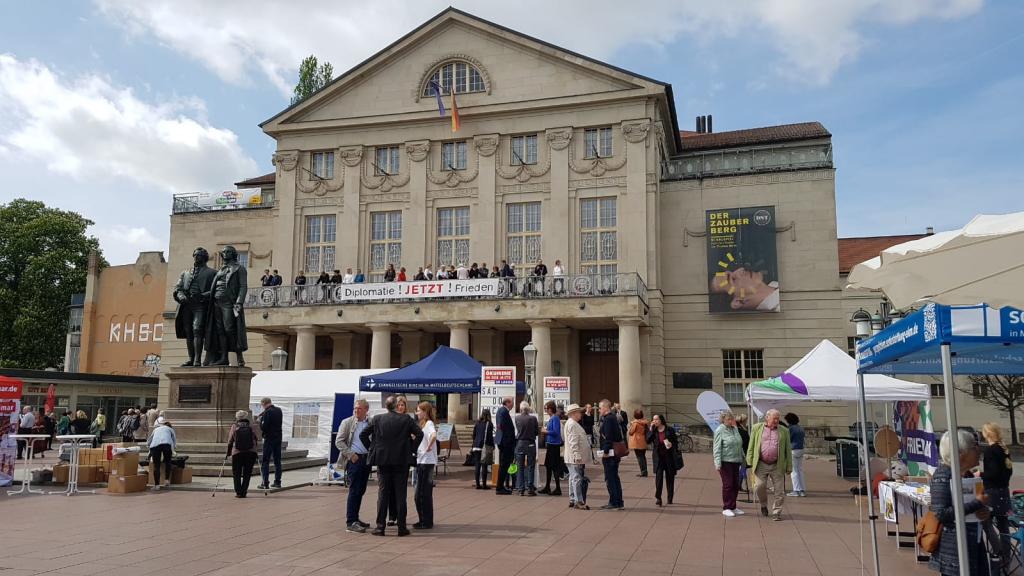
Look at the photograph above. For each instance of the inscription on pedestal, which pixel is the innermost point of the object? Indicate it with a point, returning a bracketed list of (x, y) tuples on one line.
[(194, 393)]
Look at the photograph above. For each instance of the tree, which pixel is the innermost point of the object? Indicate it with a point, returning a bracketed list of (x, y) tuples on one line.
[(1005, 393), (311, 78), (44, 255)]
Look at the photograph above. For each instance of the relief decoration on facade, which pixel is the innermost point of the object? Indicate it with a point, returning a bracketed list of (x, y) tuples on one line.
[(285, 161), (453, 178), (486, 145), (352, 156), (597, 182), (417, 151), (559, 138), (635, 131), (452, 193), (523, 172), (596, 166), (312, 184)]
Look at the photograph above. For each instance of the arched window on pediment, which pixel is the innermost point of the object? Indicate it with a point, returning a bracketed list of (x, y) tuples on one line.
[(456, 74)]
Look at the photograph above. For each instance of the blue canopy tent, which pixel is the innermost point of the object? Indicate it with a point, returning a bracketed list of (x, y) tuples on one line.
[(445, 371), (948, 340)]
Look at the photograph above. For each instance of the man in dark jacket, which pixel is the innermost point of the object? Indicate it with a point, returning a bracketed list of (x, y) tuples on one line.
[(505, 440), (270, 426), (611, 433), (388, 437)]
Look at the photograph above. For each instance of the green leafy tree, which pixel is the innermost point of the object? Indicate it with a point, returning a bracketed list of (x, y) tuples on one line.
[(1004, 393), (44, 256), (312, 77)]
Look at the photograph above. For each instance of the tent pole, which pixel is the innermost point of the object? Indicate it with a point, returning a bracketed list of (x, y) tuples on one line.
[(863, 410), (954, 460)]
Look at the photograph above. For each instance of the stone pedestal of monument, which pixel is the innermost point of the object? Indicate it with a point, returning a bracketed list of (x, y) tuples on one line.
[(203, 401)]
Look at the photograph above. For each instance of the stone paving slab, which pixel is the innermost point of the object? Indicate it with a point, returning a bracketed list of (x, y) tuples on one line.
[(301, 531)]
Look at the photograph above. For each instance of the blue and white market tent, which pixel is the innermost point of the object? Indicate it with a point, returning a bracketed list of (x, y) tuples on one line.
[(445, 371), (949, 340)]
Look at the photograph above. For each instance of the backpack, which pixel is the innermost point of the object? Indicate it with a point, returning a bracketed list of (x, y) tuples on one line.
[(244, 438), (929, 533)]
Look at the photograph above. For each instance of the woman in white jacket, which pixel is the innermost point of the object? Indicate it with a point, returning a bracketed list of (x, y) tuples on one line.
[(577, 455)]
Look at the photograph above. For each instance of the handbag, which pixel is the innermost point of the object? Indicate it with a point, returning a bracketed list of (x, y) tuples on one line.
[(513, 468), (929, 533), (677, 457), (620, 450)]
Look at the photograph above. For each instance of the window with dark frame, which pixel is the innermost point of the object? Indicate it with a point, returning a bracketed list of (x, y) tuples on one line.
[(740, 368)]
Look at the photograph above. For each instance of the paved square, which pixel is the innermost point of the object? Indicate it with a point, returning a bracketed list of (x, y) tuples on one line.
[(301, 531)]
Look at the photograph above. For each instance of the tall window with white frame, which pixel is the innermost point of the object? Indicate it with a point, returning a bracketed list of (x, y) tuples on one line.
[(599, 241), (597, 142), (524, 150), (321, 165), (523, 234), (385, 242), (453, 156), (740, 368), (321, 232), (453, 236), (386, 162)]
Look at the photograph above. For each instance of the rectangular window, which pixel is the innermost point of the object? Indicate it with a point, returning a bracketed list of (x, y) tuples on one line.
[(598, 142), (75, 320), (453, 236), (979, 389), (739, 368), (387, 161), (524, 150), (599, 244), (322, 165), (851, 346), (321, 232), (523, 233), (938, 390), (305, 420), (453, 156), (385, 242)]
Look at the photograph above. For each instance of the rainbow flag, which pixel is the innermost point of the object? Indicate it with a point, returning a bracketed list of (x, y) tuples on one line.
[(455, 114)]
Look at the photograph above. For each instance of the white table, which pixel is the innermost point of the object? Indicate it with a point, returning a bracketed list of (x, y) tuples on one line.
[(917, 498), (75, 442), (26, 483)]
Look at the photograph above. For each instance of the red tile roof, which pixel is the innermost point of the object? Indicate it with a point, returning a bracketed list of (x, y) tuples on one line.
[(853, 251), (258, 181), (693, 141)]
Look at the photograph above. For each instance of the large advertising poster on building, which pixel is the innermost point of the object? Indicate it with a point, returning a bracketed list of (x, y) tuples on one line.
[(10, 407), (743, 267)]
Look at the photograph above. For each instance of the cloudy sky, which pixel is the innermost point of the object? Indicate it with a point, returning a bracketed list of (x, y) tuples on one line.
[(109, 107)]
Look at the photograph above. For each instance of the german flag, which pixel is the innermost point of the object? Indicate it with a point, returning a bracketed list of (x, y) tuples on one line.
[(455, 113)]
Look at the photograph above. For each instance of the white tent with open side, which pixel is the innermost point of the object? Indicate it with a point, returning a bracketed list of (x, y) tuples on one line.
[(829, 373)]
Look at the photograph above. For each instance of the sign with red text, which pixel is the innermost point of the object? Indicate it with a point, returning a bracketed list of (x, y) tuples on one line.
[(429, 289), (496, 384), (556, 388), (10, 408)]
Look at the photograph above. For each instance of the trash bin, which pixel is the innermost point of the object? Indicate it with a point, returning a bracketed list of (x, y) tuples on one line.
[(847, 458)]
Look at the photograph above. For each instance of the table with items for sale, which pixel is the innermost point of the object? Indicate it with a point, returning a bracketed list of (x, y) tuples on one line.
[(899, 501)]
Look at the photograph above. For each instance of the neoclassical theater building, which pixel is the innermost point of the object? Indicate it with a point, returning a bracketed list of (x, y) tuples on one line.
[(557, 157)]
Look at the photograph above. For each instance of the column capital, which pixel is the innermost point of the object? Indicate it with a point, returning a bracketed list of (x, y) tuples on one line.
[(458, 324), (540, 322), (304, 328), (628, 321), (379, 326)]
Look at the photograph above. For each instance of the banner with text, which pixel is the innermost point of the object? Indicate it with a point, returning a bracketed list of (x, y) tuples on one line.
[(919, 449), (743, 267), (556, 388), (496, 384), (379, 291), (10, 408)]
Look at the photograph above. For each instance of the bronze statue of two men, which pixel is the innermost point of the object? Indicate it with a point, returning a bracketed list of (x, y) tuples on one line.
[(211, 313)]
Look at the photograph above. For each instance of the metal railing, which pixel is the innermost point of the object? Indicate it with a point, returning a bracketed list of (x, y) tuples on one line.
[(747, 161), (540, 287)]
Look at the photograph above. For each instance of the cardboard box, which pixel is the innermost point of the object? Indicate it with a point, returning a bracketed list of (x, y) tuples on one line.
[(126, 484), (181, 475), (60, 474), (126, 464), (106, 467), (90, 474)]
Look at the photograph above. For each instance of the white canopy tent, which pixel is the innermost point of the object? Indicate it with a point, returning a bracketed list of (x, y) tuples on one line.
[(829, 373), (981, 262), (308, 394)]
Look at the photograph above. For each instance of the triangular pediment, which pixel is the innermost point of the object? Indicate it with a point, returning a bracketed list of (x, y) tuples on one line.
[(515, 68)]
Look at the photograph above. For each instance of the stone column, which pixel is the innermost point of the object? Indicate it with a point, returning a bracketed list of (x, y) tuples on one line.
[(412, 347), (556, 217), (286, 162), (645, 365), (415, 217), (305, 348), (459, 340), (342, 353), (540, 335), (630, 388), (484, 246), (380, 348)]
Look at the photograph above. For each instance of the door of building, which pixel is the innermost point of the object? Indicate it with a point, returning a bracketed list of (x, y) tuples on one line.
[(599, 365)]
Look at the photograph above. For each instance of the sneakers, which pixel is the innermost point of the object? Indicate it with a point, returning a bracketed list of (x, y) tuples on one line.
[(728, 513), (738, 512), (262, 486), (275, 485), (363, 524), (793, 494), (776, 518), (355, 527)]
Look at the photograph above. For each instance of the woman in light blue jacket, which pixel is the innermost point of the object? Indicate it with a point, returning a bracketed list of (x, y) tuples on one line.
[(728, 450), (161, 448)]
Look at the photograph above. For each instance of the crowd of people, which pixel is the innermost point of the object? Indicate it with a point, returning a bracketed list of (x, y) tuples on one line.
[(424, 273)]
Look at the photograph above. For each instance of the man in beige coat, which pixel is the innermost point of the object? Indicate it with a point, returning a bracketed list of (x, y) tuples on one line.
[(578, 454)]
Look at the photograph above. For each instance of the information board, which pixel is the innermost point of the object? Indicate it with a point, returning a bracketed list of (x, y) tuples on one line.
[(10, 408), (555, 388), (496, 384)]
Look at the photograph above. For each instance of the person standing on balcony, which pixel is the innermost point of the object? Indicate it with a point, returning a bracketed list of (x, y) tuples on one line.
[(267, 279), (324, 278), (360, 278), (483, 271), (540, 272), (558, 272), (390, 274), (495, 273), (277, 280), (428, 273), (300, 279), (336, 277), (420, 276), (510, 278), (462, 273), (402, 277), (349, 277)]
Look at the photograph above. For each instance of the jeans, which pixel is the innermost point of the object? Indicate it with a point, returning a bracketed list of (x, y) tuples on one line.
[(798, 471), (357, 475), (641, 459), (241, 471), (505, 457), (526, 460), (424, 495), (576, 483), (730, 473), (611, 480), (271, 448), (160, 455)]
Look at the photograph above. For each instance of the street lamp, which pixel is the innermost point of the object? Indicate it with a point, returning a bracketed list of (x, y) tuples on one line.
[(867, 325), (877, 323), (862, 319), (279, 359), (530, 363)]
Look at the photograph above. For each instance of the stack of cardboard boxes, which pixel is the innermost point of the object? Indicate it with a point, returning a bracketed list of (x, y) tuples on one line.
[(124, 474), (93, 467), (119, 471)]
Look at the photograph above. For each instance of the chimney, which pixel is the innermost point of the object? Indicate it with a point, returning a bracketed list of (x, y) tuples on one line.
[(697, 125), (709, 128), (929, 230)]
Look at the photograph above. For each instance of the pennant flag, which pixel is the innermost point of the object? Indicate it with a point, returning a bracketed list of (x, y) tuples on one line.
[(437, 93), (455, 114)]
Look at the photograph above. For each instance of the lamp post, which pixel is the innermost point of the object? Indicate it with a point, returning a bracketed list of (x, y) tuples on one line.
[(279, 359), (866, 325)]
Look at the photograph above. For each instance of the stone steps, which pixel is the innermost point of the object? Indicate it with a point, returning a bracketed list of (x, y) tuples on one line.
[(291, 464)]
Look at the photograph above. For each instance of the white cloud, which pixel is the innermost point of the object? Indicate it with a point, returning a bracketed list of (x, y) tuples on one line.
[(122, 243), (239, 38), (94, 131)]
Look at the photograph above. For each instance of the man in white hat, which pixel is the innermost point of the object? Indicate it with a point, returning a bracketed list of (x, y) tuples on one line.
[(577, 455)]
